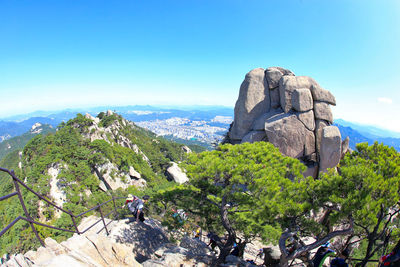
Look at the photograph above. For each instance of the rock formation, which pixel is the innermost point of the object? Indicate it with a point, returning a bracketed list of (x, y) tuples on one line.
[(175, 173), (291, 112), (134, 244)]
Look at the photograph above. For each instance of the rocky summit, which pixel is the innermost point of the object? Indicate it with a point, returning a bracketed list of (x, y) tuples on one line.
[(291, 112), (135, 244)]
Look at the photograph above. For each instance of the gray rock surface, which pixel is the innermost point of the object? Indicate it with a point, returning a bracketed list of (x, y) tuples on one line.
[(293, 119), (275, 98), (302, 100), (274, 74), (319, 126), (175, 173), (307, 118), (345, 147), (322, 111), (253, 101), (288, 84), (92, 250), (290, 135), (259, 123), (254, 136), (320, 94), (330, 153)]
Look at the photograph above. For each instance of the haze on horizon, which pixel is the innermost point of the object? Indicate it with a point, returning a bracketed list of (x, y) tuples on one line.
[(64, 54)]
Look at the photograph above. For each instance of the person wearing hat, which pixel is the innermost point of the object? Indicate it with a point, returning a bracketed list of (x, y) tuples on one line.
[(136, 206), (130, 198)]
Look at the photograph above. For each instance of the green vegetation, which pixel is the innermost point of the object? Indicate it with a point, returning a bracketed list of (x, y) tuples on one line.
[(18, 142), (244, 191), (71, 152), (251, 190), (367, 188)]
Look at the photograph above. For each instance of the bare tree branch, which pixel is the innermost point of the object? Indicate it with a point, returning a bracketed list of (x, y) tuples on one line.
[(300, 251)]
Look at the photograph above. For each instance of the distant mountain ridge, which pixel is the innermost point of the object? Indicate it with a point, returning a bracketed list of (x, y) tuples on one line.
[(369, 131), (18, 125), (356, 137), (18, 142)]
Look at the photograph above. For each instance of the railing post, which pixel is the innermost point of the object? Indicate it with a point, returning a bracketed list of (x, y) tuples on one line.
[(24, 208), (73, 221), (115, 207), (102, 218)]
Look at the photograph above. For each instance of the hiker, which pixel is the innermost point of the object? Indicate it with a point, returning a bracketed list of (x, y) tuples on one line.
[(129, 199), (136, 206), (197, 234), (213, 240), (322, 253), (340, 260), (393, 258), (179, 215), (235, 251)]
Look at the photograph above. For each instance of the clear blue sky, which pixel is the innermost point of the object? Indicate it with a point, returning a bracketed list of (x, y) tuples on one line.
[(59, 54)]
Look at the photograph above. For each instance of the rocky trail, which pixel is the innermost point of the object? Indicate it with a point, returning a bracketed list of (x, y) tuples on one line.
[(134, 244)]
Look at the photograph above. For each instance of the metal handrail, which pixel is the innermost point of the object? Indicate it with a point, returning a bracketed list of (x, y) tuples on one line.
[(32, 222)]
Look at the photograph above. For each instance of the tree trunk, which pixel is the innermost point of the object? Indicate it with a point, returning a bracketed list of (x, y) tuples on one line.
[(227, 247), (242, 246)]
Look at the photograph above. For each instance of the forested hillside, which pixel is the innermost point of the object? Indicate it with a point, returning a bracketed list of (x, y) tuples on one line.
[(18, 142), (78, 166)]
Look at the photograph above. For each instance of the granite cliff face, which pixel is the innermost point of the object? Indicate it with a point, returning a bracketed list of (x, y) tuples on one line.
[(291, 112)]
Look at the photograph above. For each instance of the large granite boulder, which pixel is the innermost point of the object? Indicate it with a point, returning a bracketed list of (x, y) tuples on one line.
[(253, 101), (290, 135), (292, 113)]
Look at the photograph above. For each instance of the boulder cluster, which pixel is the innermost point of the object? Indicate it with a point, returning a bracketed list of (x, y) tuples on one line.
[(291, 112)]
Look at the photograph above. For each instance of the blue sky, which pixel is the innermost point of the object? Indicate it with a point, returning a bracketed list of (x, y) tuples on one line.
[(66, 54)]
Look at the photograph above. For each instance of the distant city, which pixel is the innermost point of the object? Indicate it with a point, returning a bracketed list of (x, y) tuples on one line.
[(183, 128), (200, 125)]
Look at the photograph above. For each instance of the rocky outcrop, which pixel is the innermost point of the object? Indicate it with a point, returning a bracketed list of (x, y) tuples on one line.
[(36, 128), (111, 133), (128, 244), (254, 100), (112, 178), (57, 193), (176, 174), (292, 113)]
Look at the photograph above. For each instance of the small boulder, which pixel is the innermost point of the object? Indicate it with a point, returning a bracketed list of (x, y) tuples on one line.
[(322, 95), (288, 84), (274, 74), (323, 111), (175, 173), (133, 173), (302, 100)]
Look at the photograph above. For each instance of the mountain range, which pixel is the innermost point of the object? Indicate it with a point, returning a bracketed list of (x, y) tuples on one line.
[(199, 125)]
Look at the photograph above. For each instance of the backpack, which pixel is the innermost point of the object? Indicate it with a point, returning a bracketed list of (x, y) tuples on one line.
[(133, 205)]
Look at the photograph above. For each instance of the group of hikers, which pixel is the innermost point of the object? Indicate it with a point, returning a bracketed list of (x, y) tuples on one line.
[(392, 259), (136, 205)]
